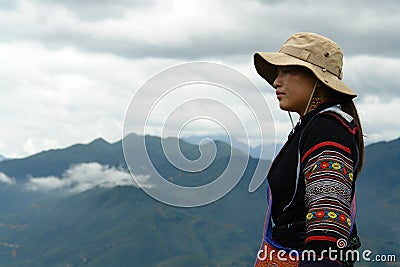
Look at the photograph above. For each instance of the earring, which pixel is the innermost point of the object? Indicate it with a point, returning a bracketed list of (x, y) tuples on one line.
[(315, 101)]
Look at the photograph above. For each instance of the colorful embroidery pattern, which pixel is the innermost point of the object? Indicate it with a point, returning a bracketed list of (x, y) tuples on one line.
[(329, 215), (331, 165), (328, 179)]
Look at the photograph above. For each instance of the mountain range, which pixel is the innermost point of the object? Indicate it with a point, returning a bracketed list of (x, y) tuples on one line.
[(266, 152), (78, 206)]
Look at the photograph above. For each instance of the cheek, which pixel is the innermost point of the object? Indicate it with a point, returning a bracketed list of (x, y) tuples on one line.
[(303, 89), (299, 99), (299, 93)]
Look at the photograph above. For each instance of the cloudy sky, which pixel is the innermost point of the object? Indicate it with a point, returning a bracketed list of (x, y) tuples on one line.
[(69, 69)]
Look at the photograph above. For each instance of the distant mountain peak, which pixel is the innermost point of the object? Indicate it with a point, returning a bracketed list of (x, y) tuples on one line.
[(99, 140)]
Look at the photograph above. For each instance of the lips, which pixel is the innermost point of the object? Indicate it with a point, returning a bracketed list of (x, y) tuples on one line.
[(279, 93)]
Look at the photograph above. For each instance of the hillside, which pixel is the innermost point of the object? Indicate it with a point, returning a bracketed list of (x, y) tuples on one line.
[(123, 226), (379, 199)]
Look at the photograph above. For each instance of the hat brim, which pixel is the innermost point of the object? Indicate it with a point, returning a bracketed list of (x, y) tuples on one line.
[(266, 65)]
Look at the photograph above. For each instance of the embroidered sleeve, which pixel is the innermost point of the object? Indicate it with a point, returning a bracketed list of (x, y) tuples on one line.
[(328, 176)]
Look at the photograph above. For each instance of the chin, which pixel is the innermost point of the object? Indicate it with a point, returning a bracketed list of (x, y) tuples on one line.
[(286, 108)]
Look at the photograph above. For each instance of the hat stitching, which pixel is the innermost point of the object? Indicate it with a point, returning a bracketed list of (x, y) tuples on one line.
[(311, 58)]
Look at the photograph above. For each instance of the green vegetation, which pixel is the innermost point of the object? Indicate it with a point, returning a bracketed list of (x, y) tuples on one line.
[(123, 226)]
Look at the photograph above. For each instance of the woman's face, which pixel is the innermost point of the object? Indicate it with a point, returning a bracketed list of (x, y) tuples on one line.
[(294, 85)]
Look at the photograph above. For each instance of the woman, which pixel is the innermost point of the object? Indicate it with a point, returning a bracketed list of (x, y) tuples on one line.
[(312, 179)]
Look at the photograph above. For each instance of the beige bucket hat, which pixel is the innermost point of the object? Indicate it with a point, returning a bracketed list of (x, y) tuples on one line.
[(313, 51)]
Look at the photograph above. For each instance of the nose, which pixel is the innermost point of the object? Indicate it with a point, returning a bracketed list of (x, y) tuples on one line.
[(277, 82)]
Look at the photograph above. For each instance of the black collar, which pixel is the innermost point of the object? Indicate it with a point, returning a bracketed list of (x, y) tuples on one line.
[(305, 118)]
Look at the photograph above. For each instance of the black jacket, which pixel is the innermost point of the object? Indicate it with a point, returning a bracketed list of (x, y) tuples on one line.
[(312, 180)]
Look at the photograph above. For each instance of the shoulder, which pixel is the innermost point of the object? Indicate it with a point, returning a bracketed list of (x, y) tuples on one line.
[(328, 130), (330, 125)]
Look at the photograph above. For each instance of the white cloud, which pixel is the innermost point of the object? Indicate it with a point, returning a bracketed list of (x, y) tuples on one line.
[(61, 97), (85, 176), (6, 180), (373, 75), (380, 118)]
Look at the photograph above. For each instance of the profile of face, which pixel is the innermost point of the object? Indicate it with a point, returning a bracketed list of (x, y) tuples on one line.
[(294, 86)]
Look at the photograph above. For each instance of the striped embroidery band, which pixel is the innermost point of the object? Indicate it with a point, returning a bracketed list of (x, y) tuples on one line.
[(330, 215), (331, 165)]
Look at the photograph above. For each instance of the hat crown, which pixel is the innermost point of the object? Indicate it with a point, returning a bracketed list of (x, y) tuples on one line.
[(315, 49)]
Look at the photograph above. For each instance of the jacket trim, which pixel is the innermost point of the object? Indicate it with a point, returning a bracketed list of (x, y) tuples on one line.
[(327, 143), (342, 116), (338, 110), (327, 238)]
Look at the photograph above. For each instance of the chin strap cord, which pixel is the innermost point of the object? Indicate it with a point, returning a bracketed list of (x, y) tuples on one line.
[(291, 120), (308, 104)]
